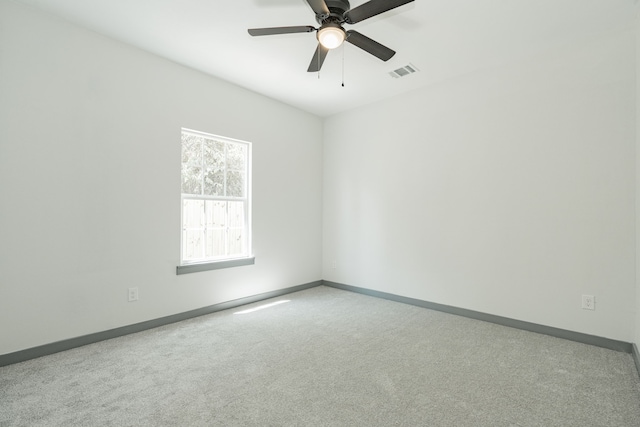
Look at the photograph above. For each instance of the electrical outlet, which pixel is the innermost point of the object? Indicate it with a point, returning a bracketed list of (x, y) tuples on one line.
[(133, 294), (334, 265), (588, 302)]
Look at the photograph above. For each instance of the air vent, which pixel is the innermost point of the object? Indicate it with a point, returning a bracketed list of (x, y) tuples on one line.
[(404, 71)]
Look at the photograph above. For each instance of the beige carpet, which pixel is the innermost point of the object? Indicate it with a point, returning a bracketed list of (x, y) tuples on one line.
[(326, 358)]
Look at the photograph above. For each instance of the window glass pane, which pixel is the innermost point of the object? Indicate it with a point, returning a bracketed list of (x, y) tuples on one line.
[(215, 243), (193, 244), (236, 157), (214, 161), (214, 182), (216, 214), (236, 241), (192, 213), (236, 214), (192, 226), (214, 154), (235, 184), (191, 179), (192, 149)]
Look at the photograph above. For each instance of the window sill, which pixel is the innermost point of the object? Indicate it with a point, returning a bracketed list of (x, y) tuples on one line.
[(214, 265)]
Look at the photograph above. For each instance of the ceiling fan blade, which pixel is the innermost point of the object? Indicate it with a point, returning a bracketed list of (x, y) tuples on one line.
[(318, 59), (319, 7), (369, 45), (372, 8), (280, 30)]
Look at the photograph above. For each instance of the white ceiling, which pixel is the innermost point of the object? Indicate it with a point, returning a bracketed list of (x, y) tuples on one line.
[(442, 38)]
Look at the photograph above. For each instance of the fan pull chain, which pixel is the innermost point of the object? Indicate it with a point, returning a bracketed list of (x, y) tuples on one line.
[(342, 64)]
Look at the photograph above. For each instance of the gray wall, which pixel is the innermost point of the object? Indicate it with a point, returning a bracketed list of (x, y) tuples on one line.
[(509, 191), (90, 183)]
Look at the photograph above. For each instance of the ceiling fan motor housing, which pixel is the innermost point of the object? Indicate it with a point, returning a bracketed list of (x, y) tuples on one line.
[(337, 9)]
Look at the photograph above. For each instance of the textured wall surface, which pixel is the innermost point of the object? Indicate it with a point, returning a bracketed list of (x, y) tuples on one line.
[(90, 183), (508, 191)]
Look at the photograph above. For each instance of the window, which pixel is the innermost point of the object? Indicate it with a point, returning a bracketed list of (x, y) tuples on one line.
[(216, 211)]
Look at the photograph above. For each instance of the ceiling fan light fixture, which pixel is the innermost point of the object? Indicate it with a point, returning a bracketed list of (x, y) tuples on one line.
[(331, 37), (331, 15)]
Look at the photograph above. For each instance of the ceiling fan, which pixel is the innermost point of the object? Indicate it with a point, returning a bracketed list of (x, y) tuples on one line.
[(331, 15)]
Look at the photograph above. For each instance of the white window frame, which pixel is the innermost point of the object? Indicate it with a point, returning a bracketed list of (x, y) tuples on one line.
[(212, 263)]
